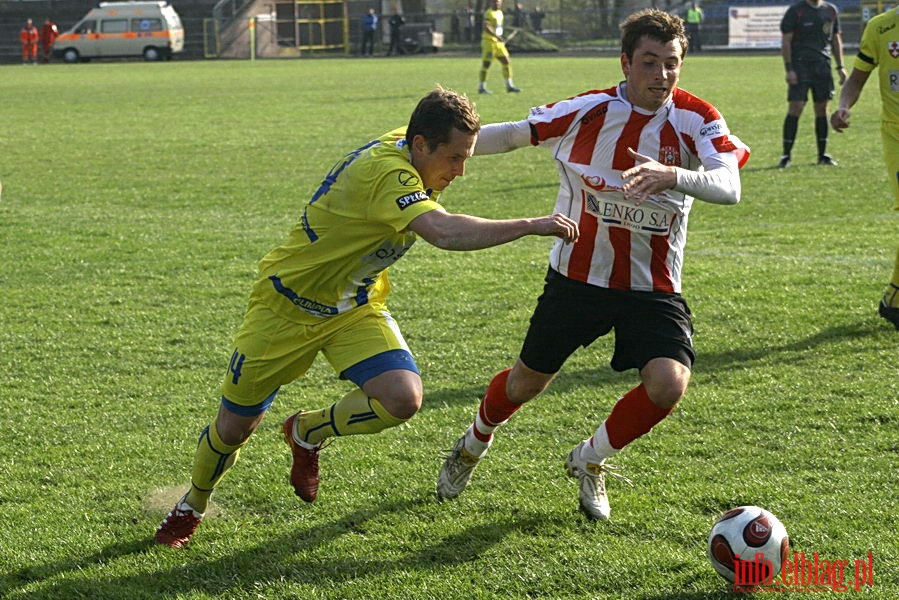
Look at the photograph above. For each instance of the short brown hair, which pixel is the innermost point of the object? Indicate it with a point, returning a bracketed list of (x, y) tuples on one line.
[(654, 23), (438, 113)]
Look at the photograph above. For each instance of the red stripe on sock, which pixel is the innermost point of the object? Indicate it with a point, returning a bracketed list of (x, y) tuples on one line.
[(496, 407), (481, 437), (633, 416)]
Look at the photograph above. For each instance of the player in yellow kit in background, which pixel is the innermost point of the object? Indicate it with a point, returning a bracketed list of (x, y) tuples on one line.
[(879, 49), (324, 290), (493, 45)]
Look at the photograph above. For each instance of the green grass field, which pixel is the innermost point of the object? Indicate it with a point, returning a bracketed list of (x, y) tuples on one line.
[(137, 199)]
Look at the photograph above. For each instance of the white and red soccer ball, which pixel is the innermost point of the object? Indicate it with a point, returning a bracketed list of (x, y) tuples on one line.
[(752, 535)]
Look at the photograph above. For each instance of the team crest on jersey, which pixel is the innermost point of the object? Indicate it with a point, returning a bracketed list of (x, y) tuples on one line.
[(669, 155), (894, 49)]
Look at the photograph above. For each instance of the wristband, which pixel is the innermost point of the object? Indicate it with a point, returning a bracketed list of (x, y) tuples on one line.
[(788, 66)]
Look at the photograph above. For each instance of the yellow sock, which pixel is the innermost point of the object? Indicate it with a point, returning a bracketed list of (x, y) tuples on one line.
[(891, 296), (212, 460), (354, 414), (507, 71)]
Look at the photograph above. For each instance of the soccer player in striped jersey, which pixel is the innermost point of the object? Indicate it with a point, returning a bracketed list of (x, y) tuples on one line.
[(325, 289), (631, 160), (879, 49)]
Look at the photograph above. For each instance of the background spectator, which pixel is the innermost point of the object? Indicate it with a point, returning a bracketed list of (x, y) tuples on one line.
[(49, 33), (537, 16), (369, 27), (29, 38)]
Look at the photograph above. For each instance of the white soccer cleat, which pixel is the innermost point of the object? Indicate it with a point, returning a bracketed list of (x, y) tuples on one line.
[(591, 484), (456, 471)]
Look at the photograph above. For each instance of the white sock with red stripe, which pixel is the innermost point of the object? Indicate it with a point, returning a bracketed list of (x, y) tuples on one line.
[(598, 448), (634, 415), (495, 410)]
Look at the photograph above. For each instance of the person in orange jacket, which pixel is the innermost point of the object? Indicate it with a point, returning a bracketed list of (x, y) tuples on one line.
[(49, 33), (29, 37)]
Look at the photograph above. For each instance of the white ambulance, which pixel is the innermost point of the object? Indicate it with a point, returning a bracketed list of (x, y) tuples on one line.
[(152, 30)]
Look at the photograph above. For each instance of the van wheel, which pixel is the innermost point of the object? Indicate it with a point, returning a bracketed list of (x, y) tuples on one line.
[(152, 54), (70, 55)]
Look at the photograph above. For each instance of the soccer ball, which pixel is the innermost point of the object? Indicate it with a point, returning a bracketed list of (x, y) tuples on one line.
[(748, 545)]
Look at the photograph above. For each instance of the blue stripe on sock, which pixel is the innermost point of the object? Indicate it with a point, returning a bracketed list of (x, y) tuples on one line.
[(361, 418)]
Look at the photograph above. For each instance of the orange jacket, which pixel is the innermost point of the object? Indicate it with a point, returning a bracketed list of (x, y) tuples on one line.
[(28, 35)]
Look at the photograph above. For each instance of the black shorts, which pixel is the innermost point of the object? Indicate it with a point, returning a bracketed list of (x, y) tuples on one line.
[(570, 314), (814, 76)]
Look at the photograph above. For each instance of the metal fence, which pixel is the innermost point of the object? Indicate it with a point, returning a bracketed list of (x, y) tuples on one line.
[(592, 28), (563, 27)]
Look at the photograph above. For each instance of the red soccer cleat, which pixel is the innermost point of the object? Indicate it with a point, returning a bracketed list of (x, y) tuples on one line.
[(179, 526), (304, 470)]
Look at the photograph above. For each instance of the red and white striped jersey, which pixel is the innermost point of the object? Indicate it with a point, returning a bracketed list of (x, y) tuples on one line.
[(622, 245)]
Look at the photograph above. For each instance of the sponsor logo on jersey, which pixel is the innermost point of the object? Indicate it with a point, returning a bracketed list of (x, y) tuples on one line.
[(711, 130), (894, 81), (313, 307), (596, 112), (594, 182), (644, 218), (408, 200), (408, 179)]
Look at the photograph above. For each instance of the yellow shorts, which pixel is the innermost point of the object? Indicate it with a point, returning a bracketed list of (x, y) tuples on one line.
[(890, 134), (270, 351), (492, 48)]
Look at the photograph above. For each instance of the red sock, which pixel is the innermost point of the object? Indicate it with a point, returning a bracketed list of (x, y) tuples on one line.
[(634, 415), (495, 409)]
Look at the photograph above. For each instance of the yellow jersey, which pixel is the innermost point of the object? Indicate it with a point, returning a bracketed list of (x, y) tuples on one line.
[(352, 229), (879, 49), (495, 19)]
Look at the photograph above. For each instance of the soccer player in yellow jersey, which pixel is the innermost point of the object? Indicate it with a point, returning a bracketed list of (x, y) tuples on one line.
[(493, 45), (879, 49), (324, 290)]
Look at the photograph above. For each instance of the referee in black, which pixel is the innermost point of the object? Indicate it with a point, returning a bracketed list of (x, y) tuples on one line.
[(811, 29)]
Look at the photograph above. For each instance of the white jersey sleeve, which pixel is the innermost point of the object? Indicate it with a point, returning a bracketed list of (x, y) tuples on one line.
[(497, 138)]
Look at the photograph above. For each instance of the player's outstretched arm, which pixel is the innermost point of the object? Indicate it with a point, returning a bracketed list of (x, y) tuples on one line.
[(496, 138), (464, 232), (849, 94)]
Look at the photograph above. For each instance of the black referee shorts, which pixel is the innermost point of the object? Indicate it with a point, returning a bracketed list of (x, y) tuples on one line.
[(814, 76), (570, 314)]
